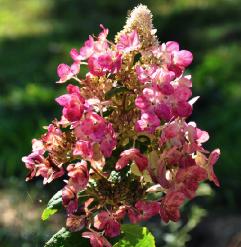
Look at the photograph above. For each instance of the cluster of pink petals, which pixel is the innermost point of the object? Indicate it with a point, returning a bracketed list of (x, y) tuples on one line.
[(82, 144), (78, 179), (164, 97), (73, 103), (94, 129), (38, 164)]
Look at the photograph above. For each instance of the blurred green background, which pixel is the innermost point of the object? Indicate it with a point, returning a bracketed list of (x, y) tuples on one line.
[(36, 35)]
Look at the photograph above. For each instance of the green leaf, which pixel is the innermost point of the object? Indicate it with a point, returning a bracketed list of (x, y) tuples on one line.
[(114, 91), (64, 238), (47, 213), (204, 189), (53, 205), (56, 200), (135, 236)]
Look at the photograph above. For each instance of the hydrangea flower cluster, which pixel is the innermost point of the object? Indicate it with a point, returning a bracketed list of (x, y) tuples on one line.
[(123, 146)]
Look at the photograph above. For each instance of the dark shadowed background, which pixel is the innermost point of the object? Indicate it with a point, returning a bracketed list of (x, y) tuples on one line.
[(36, 35)]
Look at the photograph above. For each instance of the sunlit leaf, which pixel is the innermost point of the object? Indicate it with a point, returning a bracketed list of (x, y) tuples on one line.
[(135, 236), (53, 205)]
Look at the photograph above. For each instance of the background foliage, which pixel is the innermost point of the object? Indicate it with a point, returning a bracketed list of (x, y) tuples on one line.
[(36, 35)]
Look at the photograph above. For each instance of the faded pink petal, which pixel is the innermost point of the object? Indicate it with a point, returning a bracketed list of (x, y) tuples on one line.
[(172, 46), (75, 68), (84, 149), (87, 50), (182, 58), (64, 72), (75, 223), (112, 229), (170, 204), (75, 55), (96, 240), (101, 219), (214, 156), (147, 209), (188, 179), (79, 175), (130, 155), (69, 199), (105, 221)]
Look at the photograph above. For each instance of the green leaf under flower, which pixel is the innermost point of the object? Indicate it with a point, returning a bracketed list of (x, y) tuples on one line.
[(135, 236), (53, 205)]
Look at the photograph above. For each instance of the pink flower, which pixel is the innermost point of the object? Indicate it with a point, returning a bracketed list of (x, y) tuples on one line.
[(169, 208), (187, 179), (103, 63), (183, 109), (173, 56), (148, 122), (69, 199), (94, 129), (91, 47), (145, 74), (143, 210), (105, 221), (109, 143), (174, 59), (53, 137), (133, 216), (142, 103), (101, 44), (128, 42), (162, 79), (120, 213), (112, 229), (196, 135), (170, 131), (149, 104), (182, 58), (79, 178), (182, 93), (32, 162), (130, 155), (79, 175), (103, 34), (172, 46), (41, 166), (94, 67), (161, 176), (66, 72), (213, 158), (208, 163), (73, 103), (49, 171), (163, 111), (147, 209), (101, 219), (75, 223), (96, 240), (85, 51), (84, 149)]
